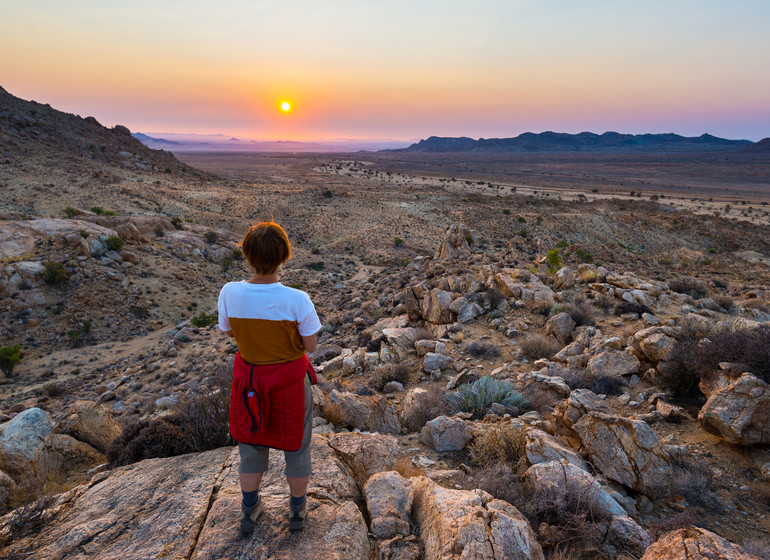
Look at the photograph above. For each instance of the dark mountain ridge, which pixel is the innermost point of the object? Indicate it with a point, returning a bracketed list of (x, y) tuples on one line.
[(584, 141)]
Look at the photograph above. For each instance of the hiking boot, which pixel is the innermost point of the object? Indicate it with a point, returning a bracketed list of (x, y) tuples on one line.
[(249, 518), (297, 518)]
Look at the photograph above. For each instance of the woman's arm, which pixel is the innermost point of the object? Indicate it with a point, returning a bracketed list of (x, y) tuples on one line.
[(309, 342), (229, 333)]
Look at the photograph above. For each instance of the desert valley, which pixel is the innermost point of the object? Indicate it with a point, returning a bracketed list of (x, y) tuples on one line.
[(525, 354)]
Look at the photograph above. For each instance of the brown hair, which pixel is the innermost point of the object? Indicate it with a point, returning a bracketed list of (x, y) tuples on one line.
[(266, 247)]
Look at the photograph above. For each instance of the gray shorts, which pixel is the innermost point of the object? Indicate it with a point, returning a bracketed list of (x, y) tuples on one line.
[(256, 458)]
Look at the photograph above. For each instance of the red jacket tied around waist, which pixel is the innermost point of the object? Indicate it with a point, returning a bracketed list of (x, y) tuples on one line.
[(267, 403)]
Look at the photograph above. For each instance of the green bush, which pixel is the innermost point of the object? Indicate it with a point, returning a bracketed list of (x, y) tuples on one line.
[(9, 357), (227, 263), (397, 241), (176, 222), (54, 273), (553, 259), (237, 254), (478, 396), (203, 319), (114, 243), (159, 231), (98, 210), (328, 194), (211, 237), (70, 212)]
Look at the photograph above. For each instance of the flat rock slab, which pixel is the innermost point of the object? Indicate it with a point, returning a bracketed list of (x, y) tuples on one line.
[(135, 512)]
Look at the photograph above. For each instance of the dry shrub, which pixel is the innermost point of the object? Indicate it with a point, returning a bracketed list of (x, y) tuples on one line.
[(406, 468), (758, 547), (200, 423), (696, 482), (542, 306), (482, 350), (162, 437), (387, 373), (604, 302), (725, 302), (626, 307), (564, 519), (428, 407), (334, 414), (699, 351), (589, 276), (538, 346), (582, 312), (495, 297), (502, 443), (54, 389), (375, 344), (676, 521), (696, 289), (206, 417)]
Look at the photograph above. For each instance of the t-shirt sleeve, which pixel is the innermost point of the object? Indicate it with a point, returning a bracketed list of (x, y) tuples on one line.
[(224, 323), (308, 320)]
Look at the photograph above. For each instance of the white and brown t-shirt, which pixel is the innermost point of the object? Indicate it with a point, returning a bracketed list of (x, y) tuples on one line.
[(267, 320)]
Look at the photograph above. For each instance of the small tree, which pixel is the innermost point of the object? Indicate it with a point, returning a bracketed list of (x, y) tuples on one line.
[(54, 273), (114, 243), (9, 357), (553, 258)]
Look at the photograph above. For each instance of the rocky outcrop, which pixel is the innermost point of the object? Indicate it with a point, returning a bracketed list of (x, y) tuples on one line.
[(542, 447), (457, 241), (579, 403), (436, 307), (694, 543), (740, 412), (626, 451), (470, 524)]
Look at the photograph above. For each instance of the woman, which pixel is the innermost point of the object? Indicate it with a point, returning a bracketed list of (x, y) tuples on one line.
[(271, 403)]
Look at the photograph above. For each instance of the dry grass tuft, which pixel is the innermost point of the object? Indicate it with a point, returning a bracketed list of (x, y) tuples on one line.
[(389, 372), (428, 407), (503, 443), (334, 414), (538, 346)]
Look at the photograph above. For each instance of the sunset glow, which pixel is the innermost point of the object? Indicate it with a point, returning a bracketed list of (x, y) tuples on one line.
[(285, 106), (490, 69)]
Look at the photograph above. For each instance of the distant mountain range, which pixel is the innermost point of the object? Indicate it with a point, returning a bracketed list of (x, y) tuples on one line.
[(221, 143), (583, 142)]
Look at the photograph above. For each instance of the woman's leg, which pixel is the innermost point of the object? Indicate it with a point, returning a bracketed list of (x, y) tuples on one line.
[(250, 481)]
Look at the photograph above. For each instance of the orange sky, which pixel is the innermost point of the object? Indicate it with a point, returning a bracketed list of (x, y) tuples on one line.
[(400, 70)]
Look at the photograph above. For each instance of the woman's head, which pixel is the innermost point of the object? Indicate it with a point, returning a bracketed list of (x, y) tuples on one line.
[(266, 247)]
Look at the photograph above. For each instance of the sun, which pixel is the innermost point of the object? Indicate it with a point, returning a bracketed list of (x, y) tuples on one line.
[(285, 106)]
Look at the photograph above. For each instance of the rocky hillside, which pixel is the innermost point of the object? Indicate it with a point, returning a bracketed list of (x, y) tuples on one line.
[(414, 459)]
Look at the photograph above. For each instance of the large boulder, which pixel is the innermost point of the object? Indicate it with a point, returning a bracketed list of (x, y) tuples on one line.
[(365, 454), (560, 326), (21, 437), (695, 543), (466, 524), (389, 499), (372, 414), (434, 361), (64, 456), (614, 363), (739, 413), (626, 451), (446, 434), (436, 307), (89, 422), (401, 341)]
